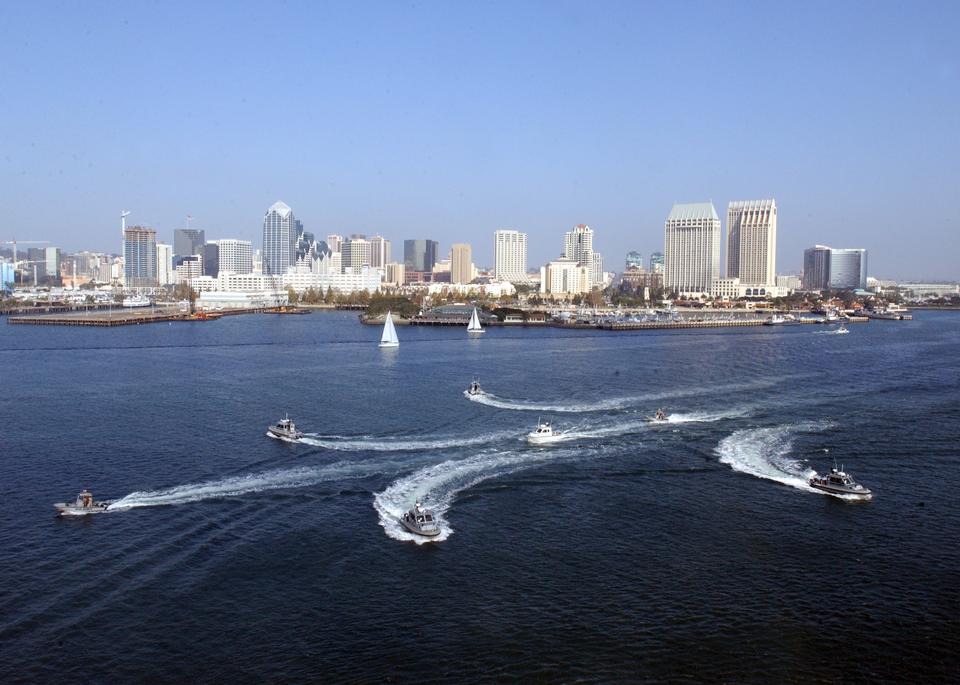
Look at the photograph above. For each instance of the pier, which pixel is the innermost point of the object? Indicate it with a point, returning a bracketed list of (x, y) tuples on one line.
[(134, 317)]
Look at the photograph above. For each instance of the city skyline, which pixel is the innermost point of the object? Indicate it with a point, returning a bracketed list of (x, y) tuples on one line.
[(479, 139)]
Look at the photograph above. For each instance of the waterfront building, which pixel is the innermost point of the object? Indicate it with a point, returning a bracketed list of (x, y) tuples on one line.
[(564, 277), (211, 259), (234, 255), (636, 277), (219, 300), (302, 279), (733, 288), (494, 289), (848, 269), (656, 263), (816, 268), (395, 273), (692, 248), (420, 255), (510, 256), (379, 251), (788, 281), (187, 241), (165, 272), (461, 263), (7, 276), (279, 239), (356, 253), (752, 241), (578, 246), (139, 257), (634, 259)]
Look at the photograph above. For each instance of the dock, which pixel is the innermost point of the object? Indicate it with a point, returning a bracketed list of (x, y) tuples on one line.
[(134, 317)]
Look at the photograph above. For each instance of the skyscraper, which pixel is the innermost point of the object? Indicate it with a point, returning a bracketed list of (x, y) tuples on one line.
[(165, 273), (279, 239), (816, 268), (420, 255), (752, 241), (848, 269), (634, 259), (187, 241), (211, 259), (692, 248), (461, 263), (510, 256), (656, 262), (333, 242), (139, 257), (356, 253), (379, 252), (52, 264), (236, 256)]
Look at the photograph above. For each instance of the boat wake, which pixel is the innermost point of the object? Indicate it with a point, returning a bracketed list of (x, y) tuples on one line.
[(765, 453), (394, 444), (438, 486), (236, 486)]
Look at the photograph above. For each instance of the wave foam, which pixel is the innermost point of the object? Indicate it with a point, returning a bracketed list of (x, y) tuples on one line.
[(388, 444)]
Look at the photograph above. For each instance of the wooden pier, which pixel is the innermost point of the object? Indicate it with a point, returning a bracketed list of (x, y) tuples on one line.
[(135, 317)]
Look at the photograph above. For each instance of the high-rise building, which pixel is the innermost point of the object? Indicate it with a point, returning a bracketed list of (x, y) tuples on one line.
[(379, 252), (257, 262), (578, 246), (564, 277), (7, 276), (848, 269), (165, 272), (596, 271), (189, 268), (816, 268), (656, 262), (37, 259), (52, 264), (187, 241), (139, 257), (356, 253), (461, 263), (752, 241), (420, 255), (211, 259), (509, 256), (235, 256), (333, 242), (634, 259), (279, 239), (692, 248)]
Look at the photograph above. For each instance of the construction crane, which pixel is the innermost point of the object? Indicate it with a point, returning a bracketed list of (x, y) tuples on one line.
[(14, 242)]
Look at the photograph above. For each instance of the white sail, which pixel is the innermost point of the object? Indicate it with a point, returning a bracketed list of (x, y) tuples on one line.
[(474, 326), (389, 337)]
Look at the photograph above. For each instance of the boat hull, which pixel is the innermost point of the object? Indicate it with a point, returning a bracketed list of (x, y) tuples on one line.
[(416, 531), (859, 494), (389, 344), (287, 437), (64, 510)]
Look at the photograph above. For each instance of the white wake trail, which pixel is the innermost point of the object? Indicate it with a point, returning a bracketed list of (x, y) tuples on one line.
[(765, 453), (394, 444)]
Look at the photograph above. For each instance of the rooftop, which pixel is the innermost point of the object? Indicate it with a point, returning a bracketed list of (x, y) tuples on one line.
[(693, 211), (280, 208)]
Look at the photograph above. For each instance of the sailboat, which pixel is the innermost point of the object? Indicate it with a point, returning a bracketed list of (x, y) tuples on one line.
[(389, 337), (474, 325)]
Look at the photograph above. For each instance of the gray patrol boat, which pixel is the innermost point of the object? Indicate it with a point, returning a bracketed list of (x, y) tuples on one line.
[(284, 429), (420, 521), (84, 506), (837, 482)]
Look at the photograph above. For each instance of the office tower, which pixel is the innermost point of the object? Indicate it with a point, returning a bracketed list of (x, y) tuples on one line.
[(52, 264), (356, 253), (564, 277), (596, 270), (279, 239), (816, 268), (848, 269), (509, 256), (36, 263), (752, 241), (211, 259), (420, 255), (7, 276), (656, 262), (190, 267), (139, 257), (165, 273), (187, 241), (257, 262), (692, 248), (379, 252), (461, 263), (634, 259), (396, 273), (236, 256), (578, 245), (333, 242)]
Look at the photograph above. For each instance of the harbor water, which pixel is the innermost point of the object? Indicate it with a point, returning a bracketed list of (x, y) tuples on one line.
[(687, 551)]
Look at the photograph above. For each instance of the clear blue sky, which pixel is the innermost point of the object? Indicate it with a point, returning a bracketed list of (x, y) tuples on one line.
[(450, 119)]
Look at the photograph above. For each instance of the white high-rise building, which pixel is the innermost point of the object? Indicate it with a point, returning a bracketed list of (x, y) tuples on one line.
[(379, 252), (279, 239), (691, 248), (510, 256), (356, 253), (564, 277), (596, 271), (461, 263), (752, 241), (236, 256), (333, 242), (165, 272)]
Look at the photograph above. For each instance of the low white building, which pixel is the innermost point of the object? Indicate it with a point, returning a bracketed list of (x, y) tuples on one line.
[(732, 289), (496, 289), (213, 300), (367, 278)]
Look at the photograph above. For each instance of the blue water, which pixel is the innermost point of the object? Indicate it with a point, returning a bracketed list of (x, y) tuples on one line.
[(689, 551)]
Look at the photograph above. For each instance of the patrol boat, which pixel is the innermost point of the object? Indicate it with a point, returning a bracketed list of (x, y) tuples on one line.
[(474, 388), (543, 434), (84, 505), (837, 482), (659, 417), (420, 521), (284, 429)]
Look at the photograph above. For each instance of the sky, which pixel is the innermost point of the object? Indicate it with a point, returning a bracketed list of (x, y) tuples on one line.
[(448, 120)]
